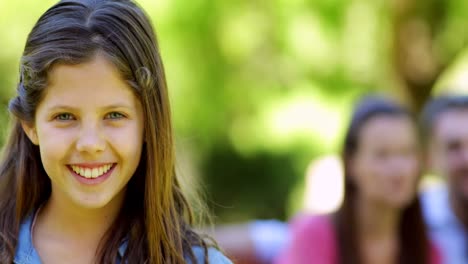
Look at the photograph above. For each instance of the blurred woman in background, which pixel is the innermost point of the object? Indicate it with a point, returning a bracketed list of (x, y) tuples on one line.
[(380, 219)]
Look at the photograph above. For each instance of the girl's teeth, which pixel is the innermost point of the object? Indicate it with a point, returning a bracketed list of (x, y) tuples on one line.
[(87, 173), (91, 173), (95, 173)]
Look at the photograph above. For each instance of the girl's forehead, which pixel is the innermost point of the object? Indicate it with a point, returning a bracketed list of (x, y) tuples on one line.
[(96, 81)]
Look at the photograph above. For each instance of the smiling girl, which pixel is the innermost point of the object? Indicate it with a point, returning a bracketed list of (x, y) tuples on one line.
[(87, 174)]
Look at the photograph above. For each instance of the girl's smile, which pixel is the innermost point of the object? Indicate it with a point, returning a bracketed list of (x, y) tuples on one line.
[(92, 173)]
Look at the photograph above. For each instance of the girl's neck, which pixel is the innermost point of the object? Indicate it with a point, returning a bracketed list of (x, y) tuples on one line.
[(378, 232), (377, 221), (65, 220)]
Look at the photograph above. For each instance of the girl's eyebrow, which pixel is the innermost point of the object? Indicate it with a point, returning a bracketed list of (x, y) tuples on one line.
[(61, 107), (118, 105)]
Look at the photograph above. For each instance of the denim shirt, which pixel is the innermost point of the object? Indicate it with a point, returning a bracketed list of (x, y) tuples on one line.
[(444, 227), (26, 254)]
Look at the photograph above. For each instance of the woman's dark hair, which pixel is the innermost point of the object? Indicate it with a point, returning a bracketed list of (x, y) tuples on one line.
[(413, 241), (155, 217)]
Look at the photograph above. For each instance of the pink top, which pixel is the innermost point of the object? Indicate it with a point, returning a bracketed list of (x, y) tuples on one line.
[(313, 240)]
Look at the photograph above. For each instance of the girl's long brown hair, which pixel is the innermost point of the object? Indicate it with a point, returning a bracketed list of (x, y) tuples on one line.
[(155, 217), (413, 240)]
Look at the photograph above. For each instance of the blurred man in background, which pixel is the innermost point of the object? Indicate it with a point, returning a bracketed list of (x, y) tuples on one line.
[(445, 136)]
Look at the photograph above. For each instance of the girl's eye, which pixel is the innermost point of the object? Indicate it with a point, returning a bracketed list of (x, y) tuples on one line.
[(64, 117), (114, 115)]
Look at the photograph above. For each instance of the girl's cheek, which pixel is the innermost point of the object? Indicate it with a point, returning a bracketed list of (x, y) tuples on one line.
[(57, 138)]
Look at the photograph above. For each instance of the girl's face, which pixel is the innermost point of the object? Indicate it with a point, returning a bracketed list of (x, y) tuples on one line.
[(386, 165), (89, 129)]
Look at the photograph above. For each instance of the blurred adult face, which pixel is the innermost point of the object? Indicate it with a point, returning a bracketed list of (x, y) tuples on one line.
[(448, 151), (386, 165)]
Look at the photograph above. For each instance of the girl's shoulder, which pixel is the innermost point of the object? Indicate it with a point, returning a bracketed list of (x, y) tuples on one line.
[(214, 256)]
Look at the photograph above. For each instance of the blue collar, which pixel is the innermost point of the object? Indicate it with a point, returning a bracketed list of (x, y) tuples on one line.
[(25, 251)]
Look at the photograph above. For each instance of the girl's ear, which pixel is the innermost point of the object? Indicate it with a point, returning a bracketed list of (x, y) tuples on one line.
[(31, 132)]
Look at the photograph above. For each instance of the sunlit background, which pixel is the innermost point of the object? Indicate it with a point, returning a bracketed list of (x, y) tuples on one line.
[(261, 90)]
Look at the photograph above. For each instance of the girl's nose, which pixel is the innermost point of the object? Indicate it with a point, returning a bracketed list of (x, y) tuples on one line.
[(90, 140)]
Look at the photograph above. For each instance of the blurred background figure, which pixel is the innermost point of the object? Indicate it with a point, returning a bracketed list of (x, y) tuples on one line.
[(380, 219), (445, 134)]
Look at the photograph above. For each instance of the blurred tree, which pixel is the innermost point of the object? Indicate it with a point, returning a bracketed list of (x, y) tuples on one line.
[(421, 52)]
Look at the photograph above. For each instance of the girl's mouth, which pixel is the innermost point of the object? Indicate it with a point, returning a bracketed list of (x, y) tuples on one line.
[(92, 174)]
